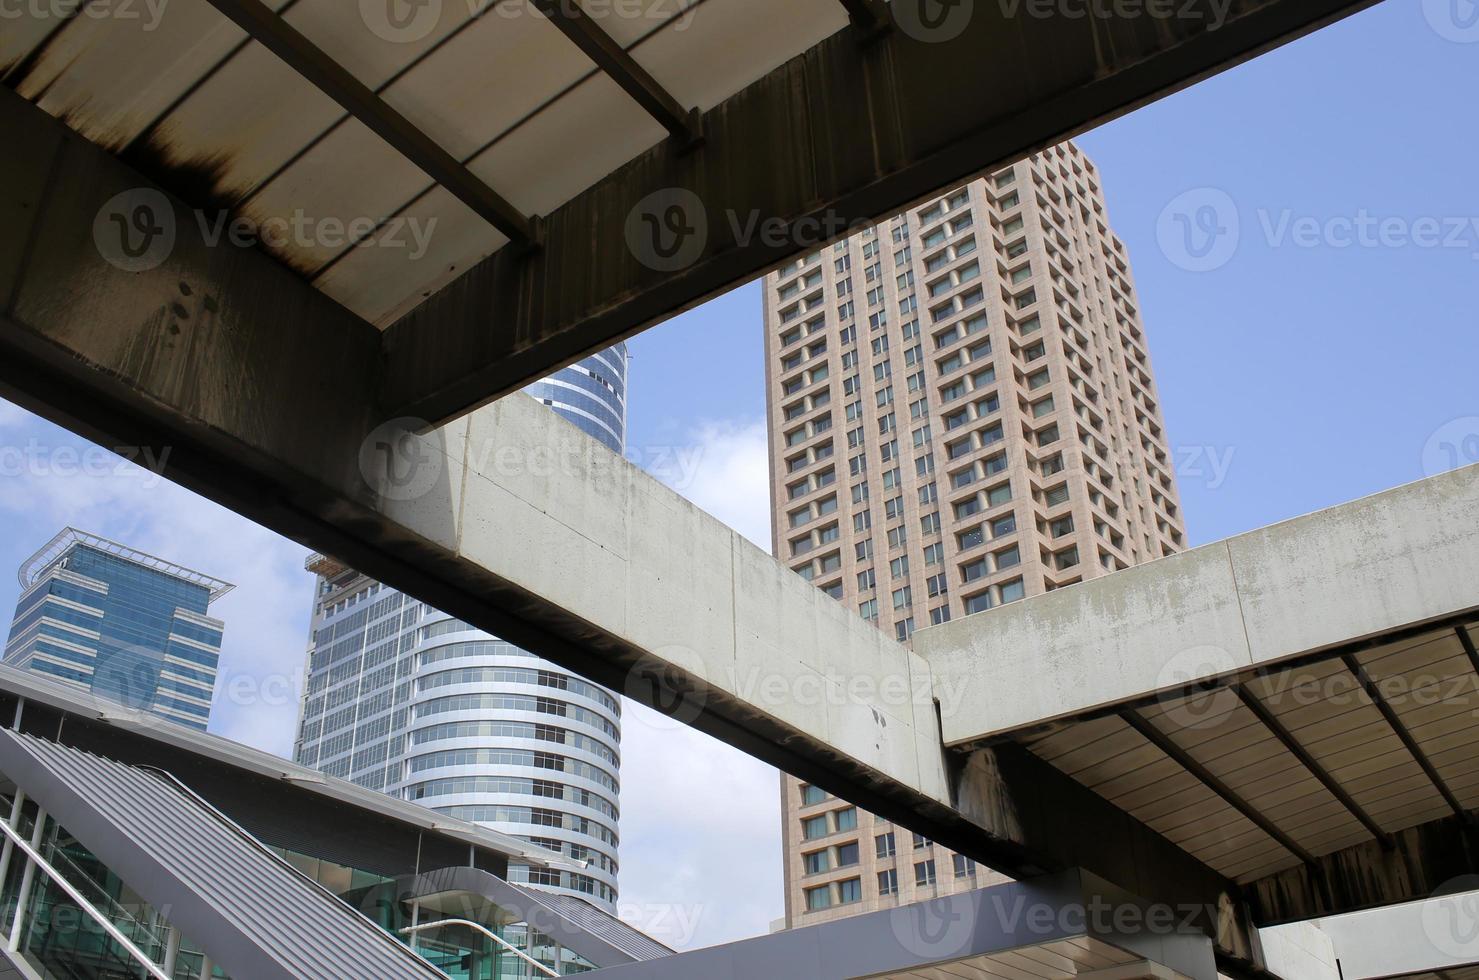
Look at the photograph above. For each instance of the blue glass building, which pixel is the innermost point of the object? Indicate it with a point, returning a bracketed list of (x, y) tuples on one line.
[(592, 394), (124, 625), (406, 699)]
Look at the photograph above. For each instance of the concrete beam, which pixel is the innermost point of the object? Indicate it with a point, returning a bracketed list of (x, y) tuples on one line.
[(959, 935), (1395, 561), (847, 133), (1428, 859)]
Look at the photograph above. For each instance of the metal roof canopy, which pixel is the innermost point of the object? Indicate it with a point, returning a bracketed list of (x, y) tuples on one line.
[(1056, 927), (33, 568), (252, 911), (340, 135), (99, 725), (574, 924)]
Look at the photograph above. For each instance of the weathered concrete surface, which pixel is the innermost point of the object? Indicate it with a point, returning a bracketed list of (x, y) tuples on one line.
[(1303, 951), (1394, 560), (525, 498)]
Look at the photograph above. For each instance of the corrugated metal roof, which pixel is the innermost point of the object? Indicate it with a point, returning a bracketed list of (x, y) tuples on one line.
[(1428, 683), (252, 911), (191, 102)]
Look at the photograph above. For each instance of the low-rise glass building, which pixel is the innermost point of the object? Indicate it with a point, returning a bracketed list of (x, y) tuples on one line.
[(124, 625)]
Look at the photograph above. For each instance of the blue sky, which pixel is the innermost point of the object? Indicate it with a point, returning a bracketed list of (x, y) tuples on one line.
[(1295, 375)]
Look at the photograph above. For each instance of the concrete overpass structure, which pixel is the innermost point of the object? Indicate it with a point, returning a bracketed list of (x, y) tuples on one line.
[(299, 380)]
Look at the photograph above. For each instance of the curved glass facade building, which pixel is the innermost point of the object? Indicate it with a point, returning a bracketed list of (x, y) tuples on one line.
[(407, 700), (593, 394)]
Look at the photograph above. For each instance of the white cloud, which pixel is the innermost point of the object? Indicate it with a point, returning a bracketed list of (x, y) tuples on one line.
[(53, 479), (700, 852), (701, 847), (725, 469)]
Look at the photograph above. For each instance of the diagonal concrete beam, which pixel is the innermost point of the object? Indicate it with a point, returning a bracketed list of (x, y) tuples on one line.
[(847, 133)]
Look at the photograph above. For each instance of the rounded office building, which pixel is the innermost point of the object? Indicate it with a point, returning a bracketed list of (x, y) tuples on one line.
[(592, 394), (405, 699), (500, 737)]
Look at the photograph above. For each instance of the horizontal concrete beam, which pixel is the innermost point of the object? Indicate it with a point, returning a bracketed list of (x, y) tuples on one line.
[(1393, 561), (847, 133)]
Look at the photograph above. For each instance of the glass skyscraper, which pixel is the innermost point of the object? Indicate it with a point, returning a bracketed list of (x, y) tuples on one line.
[(122, 624), (405, 699)]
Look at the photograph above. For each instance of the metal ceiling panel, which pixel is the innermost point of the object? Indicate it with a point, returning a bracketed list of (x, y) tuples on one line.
[(373, 281), (724, 45)]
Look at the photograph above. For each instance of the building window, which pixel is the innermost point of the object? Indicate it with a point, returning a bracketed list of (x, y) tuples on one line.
[(847, 819), (847, 855), (849, 891), (812, 795), (814, 827), (884, 844), (964, 866), (819, 898), (816, 862), (888, 882), (924, 873)]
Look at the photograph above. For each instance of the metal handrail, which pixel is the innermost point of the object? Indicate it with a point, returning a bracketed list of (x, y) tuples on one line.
[(479, 927), (76, 895), (59, 857)]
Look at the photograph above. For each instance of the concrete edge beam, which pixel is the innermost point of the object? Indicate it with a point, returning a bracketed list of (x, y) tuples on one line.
[(1392, 561)]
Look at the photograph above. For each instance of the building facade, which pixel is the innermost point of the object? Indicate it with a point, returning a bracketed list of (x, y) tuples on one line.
[(407, 700), (124, 625), (961, 414)]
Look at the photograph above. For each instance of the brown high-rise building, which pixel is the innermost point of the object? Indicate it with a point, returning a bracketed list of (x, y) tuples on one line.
[(962, 414)]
